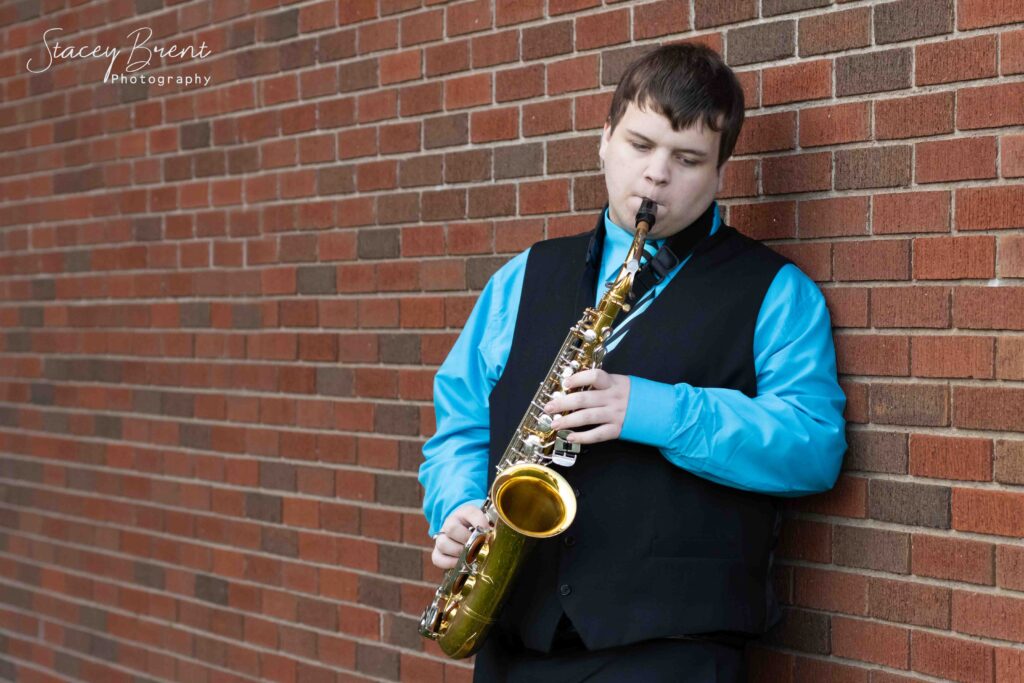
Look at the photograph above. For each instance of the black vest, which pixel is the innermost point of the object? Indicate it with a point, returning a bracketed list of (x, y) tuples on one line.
[(654, 550)]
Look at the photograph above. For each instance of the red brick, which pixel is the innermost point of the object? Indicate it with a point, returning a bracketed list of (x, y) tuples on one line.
[(951, 658), (494, 124), (958, 356), (873, 260), (832, 591), (577, 73), (467, 91), (1012, 164), (764, 220), (954, 258), (955, 60), (401, 66), (547, 117), (835, 124), (815, 670), (767, 133), (955, 559), (448, 57), (871, 642), (599, 30), (1010, 567), (986, 208), (989, 512), (1011, 52), (797, 173), (739, 179), (517, 84), (468, 17), (833, 217), (1010, 358), (902, 212), (421, 27), (498, 48), (847, 499), (989, 308), (990, 106), (848, 306), (993, 616), (797, 82), (665, 17), (518, 11), (872, 354), (815, 259), (592, 110), (1009, 665), (544, 196), (920, 115), (976, 159), (805, 540), (980, 13)]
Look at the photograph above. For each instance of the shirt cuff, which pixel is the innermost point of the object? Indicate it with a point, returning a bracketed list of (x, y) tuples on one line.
[(479, 502), (651, 412)]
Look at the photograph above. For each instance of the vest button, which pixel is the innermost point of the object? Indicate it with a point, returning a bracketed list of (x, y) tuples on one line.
[(569, 541), (565, 589)]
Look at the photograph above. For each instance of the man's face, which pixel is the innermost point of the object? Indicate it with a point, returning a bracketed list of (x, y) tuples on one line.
[(644, 157)]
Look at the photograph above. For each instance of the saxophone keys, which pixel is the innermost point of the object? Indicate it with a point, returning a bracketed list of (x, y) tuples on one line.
[(564, 452), (589, 335)]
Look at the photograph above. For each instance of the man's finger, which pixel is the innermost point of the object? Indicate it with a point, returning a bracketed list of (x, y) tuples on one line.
[(574, 401), (449, 547), (442, 561), (579, 418), (596, 435), (596, 378)]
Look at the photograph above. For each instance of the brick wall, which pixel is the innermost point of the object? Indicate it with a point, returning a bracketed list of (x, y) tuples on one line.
[(222, 306)]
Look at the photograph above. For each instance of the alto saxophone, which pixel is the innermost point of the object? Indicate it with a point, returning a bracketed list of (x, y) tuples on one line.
[(528, 500)]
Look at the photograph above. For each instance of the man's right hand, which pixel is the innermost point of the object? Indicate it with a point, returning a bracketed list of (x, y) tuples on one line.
[(455, 532)]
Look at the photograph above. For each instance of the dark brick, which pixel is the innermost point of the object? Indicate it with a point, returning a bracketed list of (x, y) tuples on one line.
[(876, 452), (281, 25), (316, 279), (886, 551), (194, 436), (396, 419), (147, 401), (337, 45), (909, 19), (103, 648), (147, 229), (66, 664), (246, 316), (802, 630), (18, 342), (209, 164), (377, 661), (905, 404), (399, 348), (873, 167), (210, 650), (519, 161), (480, 269), (443, 205), (195, 314), (317, 613), (78, 261), (547, 40), (277, 475), (150, 575), (464, 167), (410, 456), (332, 381), (380, 593), (263, 507), (400, 561), (403, 632), (446, 131), (715, 12), (107, 426), (425, 170), (41, 394), (398, 490), (910, 603), (761, 42), (773, 7), (398, 208), (243, 160), (573, 155), (92, 618), (280, 542), (358, 75), (336, 180), (195, 135), (297, 54), (492, 200), (211, 589), (614, 62), (873, 72), (44, 288), (377, 243), (909, 503)]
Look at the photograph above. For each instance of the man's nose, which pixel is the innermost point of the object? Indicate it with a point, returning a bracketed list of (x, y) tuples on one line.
[(657, 171)]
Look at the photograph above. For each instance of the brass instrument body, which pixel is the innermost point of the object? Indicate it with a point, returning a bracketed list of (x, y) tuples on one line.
[(528, 500)]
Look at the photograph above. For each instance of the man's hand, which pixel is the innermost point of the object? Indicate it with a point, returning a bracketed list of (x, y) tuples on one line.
[(455, 532), (603, 404)]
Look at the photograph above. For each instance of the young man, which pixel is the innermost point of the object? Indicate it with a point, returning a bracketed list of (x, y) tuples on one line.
[(717, 396)]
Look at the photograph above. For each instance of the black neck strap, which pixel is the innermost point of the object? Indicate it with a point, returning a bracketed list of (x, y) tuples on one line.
[(655, 268)]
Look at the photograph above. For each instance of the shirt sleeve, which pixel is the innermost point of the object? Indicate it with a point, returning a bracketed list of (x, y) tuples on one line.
[(454, 470), (789, 439)]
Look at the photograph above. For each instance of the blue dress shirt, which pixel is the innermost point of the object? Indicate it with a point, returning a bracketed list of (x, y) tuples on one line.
[(788, 440)]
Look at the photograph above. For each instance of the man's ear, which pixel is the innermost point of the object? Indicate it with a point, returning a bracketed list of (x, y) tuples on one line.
[(721, 178), (605, 136)]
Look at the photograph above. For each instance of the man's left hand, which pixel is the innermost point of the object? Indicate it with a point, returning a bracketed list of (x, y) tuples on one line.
[(603, 404)]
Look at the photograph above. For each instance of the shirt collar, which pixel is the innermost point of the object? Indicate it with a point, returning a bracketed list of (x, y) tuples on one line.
[(618, 239)]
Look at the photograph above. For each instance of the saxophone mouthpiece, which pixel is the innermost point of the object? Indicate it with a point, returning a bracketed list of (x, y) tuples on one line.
[(646, 214)]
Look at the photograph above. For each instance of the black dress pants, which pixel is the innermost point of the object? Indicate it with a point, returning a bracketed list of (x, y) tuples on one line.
[(666, 660)]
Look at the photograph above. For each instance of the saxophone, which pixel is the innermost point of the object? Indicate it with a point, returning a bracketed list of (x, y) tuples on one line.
[(528, 500)]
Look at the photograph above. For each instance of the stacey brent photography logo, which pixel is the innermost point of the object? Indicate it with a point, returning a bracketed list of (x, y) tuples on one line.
[(137, 57)]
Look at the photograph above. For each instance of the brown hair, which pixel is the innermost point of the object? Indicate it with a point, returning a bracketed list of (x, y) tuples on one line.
[(687, 83)]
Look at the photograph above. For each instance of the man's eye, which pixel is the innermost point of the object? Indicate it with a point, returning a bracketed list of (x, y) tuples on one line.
[(640, 146), (688, 162)]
